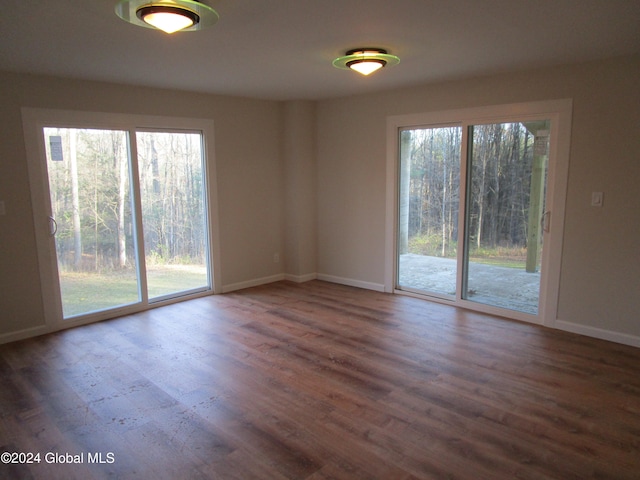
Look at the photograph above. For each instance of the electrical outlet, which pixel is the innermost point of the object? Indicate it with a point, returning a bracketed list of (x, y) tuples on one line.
[(276, 258), (597, 199)]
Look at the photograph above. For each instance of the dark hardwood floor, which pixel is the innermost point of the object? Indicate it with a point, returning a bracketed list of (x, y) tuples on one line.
[(319, 381)]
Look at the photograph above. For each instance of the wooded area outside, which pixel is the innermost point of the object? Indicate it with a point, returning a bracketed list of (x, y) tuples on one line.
[(504, 190), (500, 187), (431, 184), (171, 186), (506, 169), (174, 214), (90, 184)]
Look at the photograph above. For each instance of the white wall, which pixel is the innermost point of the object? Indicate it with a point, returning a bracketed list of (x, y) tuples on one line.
[(300, 189), (600, 275)]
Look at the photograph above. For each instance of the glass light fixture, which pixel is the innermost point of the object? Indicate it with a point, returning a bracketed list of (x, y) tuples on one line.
[(366, 60), (167, 15), (366, 66), (167, 19)]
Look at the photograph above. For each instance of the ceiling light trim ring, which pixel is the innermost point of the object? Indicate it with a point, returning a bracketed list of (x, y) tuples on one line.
[(128, 10), (359, 55)]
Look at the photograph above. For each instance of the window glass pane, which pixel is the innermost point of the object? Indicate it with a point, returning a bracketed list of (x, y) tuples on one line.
[(429, 206), (505, 216), (90, 188), (174, 218)]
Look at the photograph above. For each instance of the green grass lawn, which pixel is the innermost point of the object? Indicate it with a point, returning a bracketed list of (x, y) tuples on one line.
[(84, 292), (511, 257), (498, 262)]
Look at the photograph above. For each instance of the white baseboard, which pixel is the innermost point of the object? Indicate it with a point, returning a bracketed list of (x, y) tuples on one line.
[(378, 287), (252, 283), (26, 333), (300, 278), (611, 336)]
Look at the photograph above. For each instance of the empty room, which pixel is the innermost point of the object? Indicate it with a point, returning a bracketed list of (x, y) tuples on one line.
[(315, 240)]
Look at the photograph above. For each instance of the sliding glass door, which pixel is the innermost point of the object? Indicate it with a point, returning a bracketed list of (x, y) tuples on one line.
[(473, 207), (504, 226), (128, 220), (429, 208), (92, 218), (174, 213)]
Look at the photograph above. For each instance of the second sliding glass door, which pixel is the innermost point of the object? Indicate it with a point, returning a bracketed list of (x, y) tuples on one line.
[(472, 212), (505, 215), (173, 212)]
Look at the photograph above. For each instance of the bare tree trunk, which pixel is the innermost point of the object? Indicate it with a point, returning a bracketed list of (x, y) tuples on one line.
[(75, 195), (122, 194), (155, 218), (444, 206), (481, 193), (405, 182), (96, 263), (495, 209)]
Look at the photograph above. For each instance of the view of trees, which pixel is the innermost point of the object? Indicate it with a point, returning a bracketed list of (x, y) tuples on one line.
[(499, 197), (92, 180), (502, 160), (90, 198), (171, 184), (431, 183), (90, 187)]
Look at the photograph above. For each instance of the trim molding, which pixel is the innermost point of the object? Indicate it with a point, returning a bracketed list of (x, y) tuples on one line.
[(560, 113), (595, 332), (300, 278), (252, 283), (24, 334), (378, 287)]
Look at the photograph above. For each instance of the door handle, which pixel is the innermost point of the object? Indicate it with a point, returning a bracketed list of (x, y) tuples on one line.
[(544, 221), (53, 226)]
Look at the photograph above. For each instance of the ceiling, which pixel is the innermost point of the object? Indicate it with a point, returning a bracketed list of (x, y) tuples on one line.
[(283, 49)]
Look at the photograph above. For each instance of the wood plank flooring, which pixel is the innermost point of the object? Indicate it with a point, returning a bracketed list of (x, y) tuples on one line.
[(319, 381)]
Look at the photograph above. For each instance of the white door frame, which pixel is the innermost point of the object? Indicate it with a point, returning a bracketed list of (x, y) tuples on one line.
[(559, 112), (34, 120)]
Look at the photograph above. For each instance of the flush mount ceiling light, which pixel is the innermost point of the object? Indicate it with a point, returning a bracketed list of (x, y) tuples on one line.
[(365, 60), (167, 15)]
